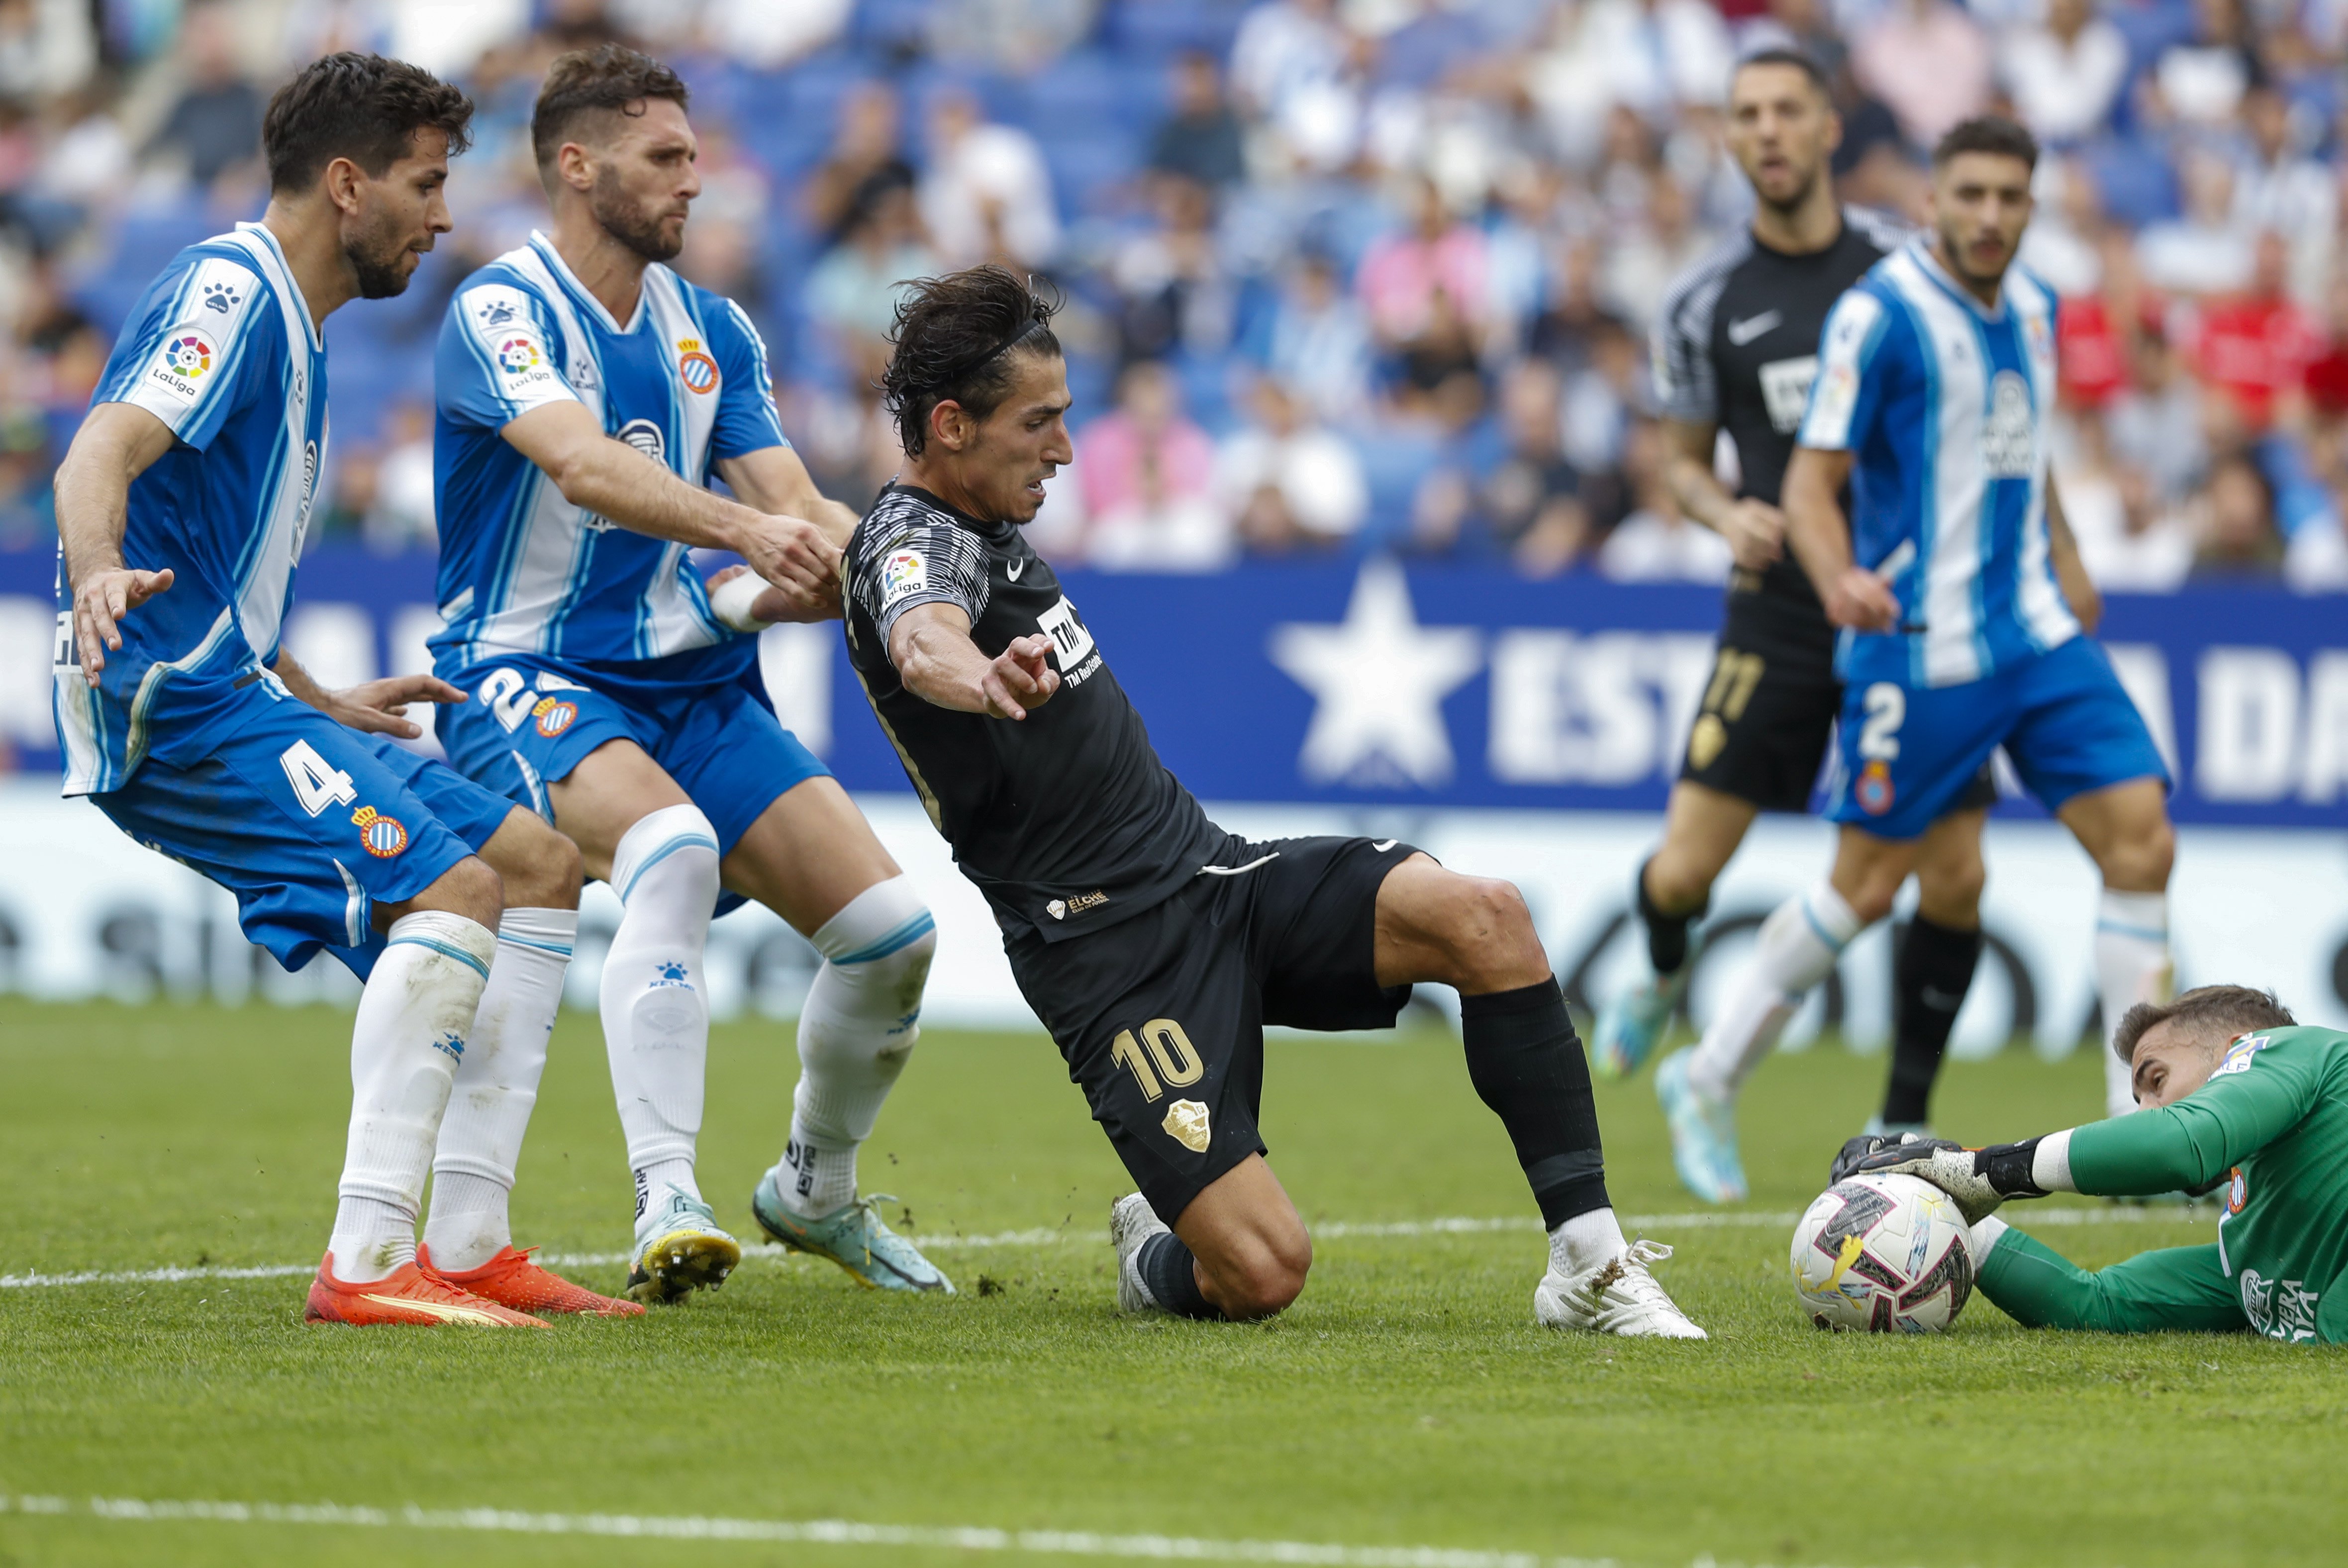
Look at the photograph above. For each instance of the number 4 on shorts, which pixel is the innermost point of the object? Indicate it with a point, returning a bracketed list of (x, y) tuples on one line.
[(315, 784)]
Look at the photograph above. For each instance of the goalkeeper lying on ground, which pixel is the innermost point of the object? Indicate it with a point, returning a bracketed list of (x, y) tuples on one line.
[(2230, 1087)]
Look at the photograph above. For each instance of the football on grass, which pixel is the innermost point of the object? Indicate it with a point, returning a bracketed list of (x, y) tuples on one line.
[(1883, 1253)]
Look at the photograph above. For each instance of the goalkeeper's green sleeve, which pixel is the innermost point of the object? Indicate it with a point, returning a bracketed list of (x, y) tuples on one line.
[(2193, 1143), (2176, 1287)]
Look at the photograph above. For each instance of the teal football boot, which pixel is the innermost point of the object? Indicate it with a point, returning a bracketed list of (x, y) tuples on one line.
[(1704, 1133), (853, 1235), (1634, 1023)]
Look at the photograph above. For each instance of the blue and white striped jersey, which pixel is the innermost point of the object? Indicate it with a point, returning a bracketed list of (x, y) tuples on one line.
[(523, 570), (1944, 405), (221, 348)]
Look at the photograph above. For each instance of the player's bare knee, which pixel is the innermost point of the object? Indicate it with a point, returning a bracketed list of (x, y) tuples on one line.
[(471, 888), (2141, 860), (1678, 882), (1267, 1280), (541, 868), (1949, 889), (1491, 936)]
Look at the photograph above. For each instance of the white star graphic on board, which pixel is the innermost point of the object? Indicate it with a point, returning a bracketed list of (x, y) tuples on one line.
[(1378, 680)]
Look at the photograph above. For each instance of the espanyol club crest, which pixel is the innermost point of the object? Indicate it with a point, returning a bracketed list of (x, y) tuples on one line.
[(694, 368), (381, 836), (553, 715), (1873, 790)]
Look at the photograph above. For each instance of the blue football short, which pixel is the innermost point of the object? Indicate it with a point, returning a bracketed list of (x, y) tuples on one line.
[(1907, 754), (530, 719), (309, 823)]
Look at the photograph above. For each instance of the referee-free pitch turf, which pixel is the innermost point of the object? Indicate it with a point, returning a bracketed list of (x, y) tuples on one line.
[(1406, 1402)]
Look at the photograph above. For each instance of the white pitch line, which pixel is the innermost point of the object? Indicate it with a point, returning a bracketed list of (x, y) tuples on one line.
[(811, 1532), (1334, 1229)]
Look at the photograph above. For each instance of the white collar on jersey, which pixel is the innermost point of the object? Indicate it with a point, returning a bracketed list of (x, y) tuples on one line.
[(285, 274), (1921, 248), (561, 269)]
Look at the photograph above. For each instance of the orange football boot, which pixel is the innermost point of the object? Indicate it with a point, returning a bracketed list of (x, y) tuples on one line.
[(408, 1295), (511, 1279)]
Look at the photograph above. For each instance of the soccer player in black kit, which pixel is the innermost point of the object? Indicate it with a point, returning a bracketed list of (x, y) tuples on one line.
[(1736, 350), (1153, 946)]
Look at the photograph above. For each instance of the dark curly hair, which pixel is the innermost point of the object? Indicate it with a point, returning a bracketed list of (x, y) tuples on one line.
[(954, 341), (360, 107), (1987, 133), (604, 79)]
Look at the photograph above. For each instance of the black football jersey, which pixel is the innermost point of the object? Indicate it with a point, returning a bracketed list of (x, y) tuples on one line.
[(1066, 819), (1737, 347)]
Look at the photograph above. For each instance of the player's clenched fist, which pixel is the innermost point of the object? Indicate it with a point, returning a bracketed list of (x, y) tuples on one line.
[(103, 598), (1756, 533), (1020, 678)]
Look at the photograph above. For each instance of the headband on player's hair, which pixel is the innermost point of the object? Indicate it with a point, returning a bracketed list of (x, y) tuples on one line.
[(1019, 334)]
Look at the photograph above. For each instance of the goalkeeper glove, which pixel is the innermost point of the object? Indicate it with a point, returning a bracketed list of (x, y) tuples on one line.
[(1978, 1179)]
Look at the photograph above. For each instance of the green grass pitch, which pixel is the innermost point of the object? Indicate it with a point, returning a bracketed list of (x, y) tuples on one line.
[(1407, 1400)]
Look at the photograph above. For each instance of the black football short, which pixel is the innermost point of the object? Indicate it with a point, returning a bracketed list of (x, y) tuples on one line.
[(1769, 711), (1161, 1016)]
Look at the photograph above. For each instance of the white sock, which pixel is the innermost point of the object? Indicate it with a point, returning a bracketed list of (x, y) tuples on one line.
[(2131, 966), (1586, 1240), (655, 1020), (1796, 948), (406, 1043), (495, 1088), (855, 1032)]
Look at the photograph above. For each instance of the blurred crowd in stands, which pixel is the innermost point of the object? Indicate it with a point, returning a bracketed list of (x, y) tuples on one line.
[(1341, 275)]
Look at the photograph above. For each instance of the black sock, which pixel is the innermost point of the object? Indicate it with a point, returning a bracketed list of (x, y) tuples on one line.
[(1935, 967), (1166, 1269), (1667, 934), (1526, 1063)]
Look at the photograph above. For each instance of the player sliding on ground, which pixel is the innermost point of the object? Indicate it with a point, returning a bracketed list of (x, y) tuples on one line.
[(1153, 946), (1964, 626), (2233, 1091), (587, 396), (180, 511), (1736, 351)]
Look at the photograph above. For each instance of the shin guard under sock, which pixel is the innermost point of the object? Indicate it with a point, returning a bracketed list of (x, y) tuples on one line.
[(1526, 1063)]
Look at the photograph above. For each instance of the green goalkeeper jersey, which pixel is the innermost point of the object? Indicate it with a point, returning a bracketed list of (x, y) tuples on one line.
[(2272, 1122)]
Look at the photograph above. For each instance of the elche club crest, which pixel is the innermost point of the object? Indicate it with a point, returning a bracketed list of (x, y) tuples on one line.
[(695, 367), (381, 836)]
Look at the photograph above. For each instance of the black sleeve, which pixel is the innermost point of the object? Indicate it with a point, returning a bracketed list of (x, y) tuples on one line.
[(922, 560)]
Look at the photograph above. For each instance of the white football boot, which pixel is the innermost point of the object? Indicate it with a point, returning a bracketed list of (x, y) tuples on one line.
[(1616, 1297), (1131, 1222)]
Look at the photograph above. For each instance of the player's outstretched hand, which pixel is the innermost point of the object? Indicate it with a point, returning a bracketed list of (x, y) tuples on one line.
[(796, 556), (1861, 600), (377, 706), (1963, 1173), (758, 603), (1756, 533), (103, 598), (1020, 679)]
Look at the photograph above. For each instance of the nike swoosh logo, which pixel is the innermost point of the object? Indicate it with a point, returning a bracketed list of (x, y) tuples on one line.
[(1015, 568), (1384, 845), (434, 1309), (1741, 333)]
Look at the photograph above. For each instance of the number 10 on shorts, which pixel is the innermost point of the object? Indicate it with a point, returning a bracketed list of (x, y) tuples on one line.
[(1163, 1056)]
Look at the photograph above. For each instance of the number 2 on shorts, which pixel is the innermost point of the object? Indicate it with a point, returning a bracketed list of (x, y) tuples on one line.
[(1164, 1052)]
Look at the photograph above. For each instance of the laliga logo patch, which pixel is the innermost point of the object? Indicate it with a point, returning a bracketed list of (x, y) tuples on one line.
[(553, 715), (1873, 790), (381, 836), (2239, 1054), (1186, 1124), (517, 355), (694, 368), (191, 355), (903, 573)]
